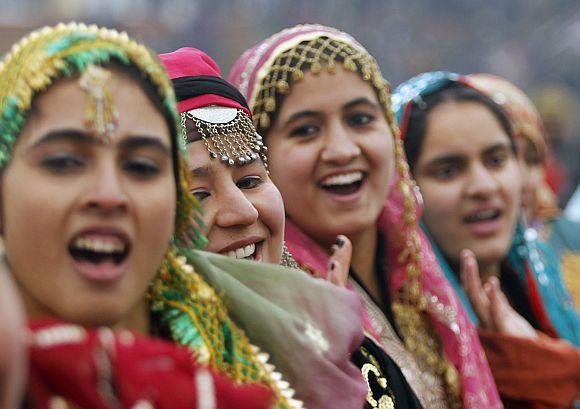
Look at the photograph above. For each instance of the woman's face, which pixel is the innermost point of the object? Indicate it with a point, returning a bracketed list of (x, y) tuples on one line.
[(331, 155), (86, 222), (532, 171), (470, 182), (242, 209)]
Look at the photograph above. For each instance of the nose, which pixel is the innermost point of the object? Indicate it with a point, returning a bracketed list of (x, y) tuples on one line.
[(235, 209), (105, 193), (482, 182), (340, 148)]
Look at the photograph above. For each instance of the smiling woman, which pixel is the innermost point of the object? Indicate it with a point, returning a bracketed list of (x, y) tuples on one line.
[(101, 236), (323, 108)]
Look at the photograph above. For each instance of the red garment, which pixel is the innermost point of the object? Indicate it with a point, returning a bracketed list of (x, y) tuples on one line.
[(543, 373), (99, 369)]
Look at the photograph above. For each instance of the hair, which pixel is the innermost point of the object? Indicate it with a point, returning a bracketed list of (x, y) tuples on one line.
[(420, 110)]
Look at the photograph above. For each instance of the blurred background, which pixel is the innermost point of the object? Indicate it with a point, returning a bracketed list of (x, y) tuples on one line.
[(534, 43)]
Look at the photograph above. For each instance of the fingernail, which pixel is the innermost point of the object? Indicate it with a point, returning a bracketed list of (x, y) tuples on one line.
[(340, 241), (332, 265)]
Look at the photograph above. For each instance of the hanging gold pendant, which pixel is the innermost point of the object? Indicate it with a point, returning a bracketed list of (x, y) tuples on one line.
[(101, 117)]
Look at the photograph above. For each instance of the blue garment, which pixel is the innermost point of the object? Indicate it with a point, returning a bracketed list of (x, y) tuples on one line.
[(527, 254)]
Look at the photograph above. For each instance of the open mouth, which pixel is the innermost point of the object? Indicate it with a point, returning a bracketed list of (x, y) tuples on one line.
[(343, 184), (98, 249), (483, 216), (250, 251)]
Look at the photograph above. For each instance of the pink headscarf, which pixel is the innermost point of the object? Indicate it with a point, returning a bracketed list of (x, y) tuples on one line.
[(404, 239)]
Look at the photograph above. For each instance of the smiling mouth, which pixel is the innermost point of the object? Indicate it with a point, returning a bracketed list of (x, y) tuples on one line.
[(99, 249), (343, 184), (247, 252)]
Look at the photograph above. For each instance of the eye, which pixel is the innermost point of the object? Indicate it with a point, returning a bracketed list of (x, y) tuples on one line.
[(141, 167), (360, 119), (304, 130), (200, 194), (249, 182), (497, 159), (446, 172), (62, 163)]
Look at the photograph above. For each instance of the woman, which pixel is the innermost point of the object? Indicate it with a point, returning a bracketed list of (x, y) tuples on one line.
[(472, 199), (243, 213), (323, 107), (89, 122), (538, 200)]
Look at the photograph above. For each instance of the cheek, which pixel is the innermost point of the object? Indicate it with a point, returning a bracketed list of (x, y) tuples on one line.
[(291, 167), (271, 209), (379, 149), (442, 200), (156, 211)]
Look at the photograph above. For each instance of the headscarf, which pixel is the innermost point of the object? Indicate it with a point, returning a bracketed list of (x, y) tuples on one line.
[(230, 137), (266, 72), (534, 261), (526, 123), (198, 300)]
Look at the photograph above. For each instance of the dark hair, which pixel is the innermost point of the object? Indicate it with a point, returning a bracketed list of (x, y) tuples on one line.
[(419, 113)]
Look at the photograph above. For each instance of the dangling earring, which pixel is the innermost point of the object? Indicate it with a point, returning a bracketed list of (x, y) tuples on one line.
[(287, 259)]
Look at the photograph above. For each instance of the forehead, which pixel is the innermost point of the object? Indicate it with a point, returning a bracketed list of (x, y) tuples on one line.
[(328, 90), (65, 103), (199, 160), (462, 127)]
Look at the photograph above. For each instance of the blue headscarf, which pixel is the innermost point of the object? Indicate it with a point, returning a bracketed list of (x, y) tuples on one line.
[(534, 261)]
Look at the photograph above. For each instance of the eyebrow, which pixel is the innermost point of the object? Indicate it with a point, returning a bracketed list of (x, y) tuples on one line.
[(498, 146), (349, 105), (71, 134), (359, 101), (143, 141), (458, 158), (76, 135), (201, 171)]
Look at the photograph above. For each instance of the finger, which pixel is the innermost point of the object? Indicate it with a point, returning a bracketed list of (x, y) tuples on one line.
[(341, 258), (473, 287), (499, 305)]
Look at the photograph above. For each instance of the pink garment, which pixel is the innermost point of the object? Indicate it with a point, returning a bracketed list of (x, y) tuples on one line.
[(457, 333)]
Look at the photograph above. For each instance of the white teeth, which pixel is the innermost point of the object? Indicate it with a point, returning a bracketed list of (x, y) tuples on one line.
[(242, 252), (98, 245), (344, 179), (484, 215)]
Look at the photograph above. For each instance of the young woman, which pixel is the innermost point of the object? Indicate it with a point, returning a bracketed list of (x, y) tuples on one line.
[(323, 108), (89, 131), (243, 213), (470, 182), (539, 202)]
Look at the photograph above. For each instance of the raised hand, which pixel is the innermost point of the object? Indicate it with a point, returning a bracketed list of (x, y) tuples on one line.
[(489, 303), (339, 263)]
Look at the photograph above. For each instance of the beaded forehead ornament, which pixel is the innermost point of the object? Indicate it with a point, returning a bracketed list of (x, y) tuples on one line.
[(228, 134), (218, 111)]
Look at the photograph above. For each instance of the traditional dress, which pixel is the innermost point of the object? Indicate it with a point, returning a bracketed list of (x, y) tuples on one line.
[(424, 334), (531, 279), (224, 312)]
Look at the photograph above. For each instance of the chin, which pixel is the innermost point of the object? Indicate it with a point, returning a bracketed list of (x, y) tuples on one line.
[(96, 314)]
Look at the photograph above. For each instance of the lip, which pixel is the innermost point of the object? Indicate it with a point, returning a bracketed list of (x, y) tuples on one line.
[(242, 243), (107, 271), (352, 197), (484, 228), (342, 171)]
